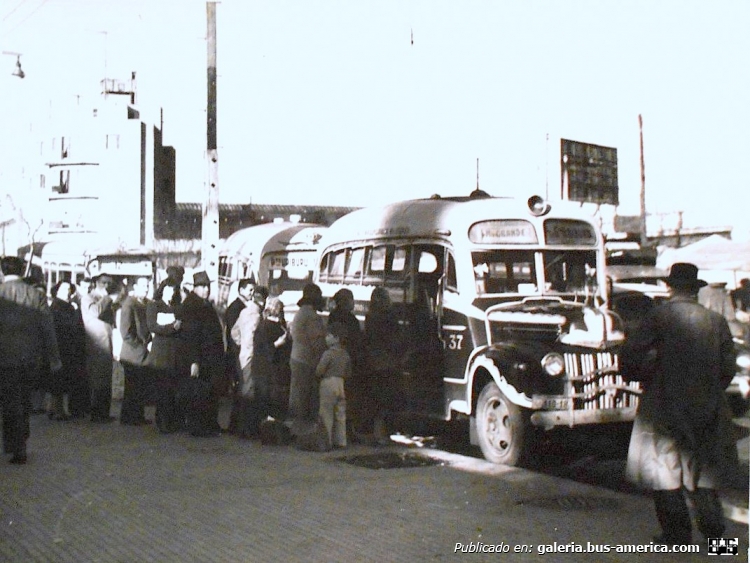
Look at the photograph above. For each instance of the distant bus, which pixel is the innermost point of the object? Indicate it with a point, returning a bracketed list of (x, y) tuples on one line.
[(281, 256), (75, 258), (502, 311)]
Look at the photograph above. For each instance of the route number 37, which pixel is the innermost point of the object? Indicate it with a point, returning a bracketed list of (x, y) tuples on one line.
[(455, 341)]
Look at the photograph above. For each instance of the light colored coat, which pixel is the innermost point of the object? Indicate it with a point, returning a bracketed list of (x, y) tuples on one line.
[(243, 331), (308, 332), (98, 320)]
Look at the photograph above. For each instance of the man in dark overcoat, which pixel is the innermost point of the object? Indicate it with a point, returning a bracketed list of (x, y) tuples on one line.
[(27, 346), (202, 354), (684, 356)]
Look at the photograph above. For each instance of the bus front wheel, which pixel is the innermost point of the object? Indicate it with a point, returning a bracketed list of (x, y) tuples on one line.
[(502, 427)]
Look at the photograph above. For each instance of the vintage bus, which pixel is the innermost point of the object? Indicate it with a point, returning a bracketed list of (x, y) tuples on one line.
[(501, 305), (281, 256), (75, 258)]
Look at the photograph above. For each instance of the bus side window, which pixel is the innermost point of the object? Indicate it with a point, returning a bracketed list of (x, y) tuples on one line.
[(395, 273), (323, 270), (224, 267), (375, 270), (337, 263), (451, 279), (355, 267)]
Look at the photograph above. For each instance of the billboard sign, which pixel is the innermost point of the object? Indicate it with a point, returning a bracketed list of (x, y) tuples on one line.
[(588, 172)]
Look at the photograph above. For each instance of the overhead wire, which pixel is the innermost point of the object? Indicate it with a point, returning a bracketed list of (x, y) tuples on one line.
[(34, 11), (13, 11)]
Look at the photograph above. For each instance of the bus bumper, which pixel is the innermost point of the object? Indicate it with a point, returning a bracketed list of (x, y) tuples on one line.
[(550, 419)]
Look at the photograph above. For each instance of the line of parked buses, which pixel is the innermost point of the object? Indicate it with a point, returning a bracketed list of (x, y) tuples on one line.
[(503, 305)]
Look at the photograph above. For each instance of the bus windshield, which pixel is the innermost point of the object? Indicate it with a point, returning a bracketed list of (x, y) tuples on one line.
[(570, 271), (514, 271), (504, 271)]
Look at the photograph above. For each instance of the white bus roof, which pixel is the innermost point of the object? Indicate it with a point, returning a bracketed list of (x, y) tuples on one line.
[(271, 237), (77, 249), (440, 217)]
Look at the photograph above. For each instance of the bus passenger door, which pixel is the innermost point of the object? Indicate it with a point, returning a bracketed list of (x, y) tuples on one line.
[(455, 332), (423, 358)]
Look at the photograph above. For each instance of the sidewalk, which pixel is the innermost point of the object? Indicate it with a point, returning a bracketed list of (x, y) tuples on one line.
[(110, 493)]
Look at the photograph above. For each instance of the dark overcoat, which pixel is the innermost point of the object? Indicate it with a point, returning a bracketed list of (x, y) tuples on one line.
[(682, 432), (71, 342), (165, 343), (201, 339), (27, 333)]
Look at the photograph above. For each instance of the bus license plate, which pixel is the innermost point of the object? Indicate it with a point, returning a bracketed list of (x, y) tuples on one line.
[(555, 403)]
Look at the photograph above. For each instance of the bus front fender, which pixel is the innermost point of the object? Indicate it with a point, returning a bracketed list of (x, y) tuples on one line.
[(508, 389)]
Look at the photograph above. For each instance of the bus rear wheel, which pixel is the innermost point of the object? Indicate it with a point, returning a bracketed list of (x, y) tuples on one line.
[(503, 428)]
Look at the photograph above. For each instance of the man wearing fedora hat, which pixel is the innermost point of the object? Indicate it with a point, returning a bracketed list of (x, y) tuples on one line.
[(202, 355), (681, 436)]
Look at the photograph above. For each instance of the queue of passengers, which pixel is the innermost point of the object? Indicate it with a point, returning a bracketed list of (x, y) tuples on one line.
[(178, 354)]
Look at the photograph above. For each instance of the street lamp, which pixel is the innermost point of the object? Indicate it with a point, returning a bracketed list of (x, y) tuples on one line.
[(18, 71)]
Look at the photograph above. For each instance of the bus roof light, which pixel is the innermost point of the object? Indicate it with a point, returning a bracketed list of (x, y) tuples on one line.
[(537, 206)]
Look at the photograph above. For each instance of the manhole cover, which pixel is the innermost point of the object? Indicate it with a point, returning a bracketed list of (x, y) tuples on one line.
[(572, 503), (390, 460)]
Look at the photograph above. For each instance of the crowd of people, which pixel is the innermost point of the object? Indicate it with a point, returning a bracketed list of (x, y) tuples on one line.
[(317, 379), (326, 381)]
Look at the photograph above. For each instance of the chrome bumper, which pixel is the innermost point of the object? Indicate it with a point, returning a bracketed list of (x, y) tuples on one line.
[(549, 419)]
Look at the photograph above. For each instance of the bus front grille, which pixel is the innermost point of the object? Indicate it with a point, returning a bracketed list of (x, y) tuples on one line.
[(593, 382)]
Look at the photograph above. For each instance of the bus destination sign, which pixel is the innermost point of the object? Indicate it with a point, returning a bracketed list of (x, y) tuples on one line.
[(569, 233), (503, 232)]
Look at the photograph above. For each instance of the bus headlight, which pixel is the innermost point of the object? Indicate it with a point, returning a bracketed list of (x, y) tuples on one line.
[(553, 364), (743, 363)]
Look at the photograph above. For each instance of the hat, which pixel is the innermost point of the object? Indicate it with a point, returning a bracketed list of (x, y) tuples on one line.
[(312, 295), (684, 274), (342, 294), (201, 278)]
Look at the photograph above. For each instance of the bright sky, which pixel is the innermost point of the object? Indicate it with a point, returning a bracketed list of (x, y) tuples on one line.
[(331, 102)]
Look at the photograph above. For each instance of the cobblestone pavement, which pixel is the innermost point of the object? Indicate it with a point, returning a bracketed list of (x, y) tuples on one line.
[(110, 493)]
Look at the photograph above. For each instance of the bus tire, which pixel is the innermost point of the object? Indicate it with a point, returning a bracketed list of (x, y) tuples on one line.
[(503, 428)]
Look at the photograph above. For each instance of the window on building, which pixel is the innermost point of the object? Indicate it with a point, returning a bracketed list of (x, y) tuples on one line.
[(112, 141), (63, 187)]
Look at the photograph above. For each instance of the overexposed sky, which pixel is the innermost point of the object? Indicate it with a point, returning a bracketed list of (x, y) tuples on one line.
[(357, 103)]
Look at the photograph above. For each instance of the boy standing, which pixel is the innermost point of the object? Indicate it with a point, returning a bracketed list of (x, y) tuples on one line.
[(335, 366)]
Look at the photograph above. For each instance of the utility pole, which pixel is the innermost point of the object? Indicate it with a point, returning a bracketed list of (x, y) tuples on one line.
[(644, 232), (210, 225)]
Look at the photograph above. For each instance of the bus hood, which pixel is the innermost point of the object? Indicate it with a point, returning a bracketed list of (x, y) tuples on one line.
[(553, 319)]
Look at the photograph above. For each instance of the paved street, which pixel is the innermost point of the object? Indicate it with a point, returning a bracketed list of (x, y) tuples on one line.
[(128, 494)]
